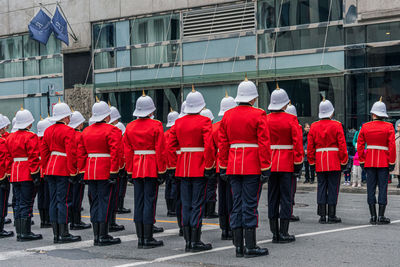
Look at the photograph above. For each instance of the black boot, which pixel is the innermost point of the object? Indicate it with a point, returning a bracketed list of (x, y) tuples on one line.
[(114, 227), (332, 218), (121, 209), (274, 227), (180, 231), (149, 241), (140, 234), (65, 236), (171, 211), (251, 249), (238, 242), (195, 241), (96, 233), (157, 229), (381, 216), (17, 224), (294, 218), (43, 221), (7, 221), (224, 225), (4, 233), (56, 233), (77, 224), (186, 235), (104, 238), (211, 214), (322, 213), (398, 177), (284, 236), (26, 233), (372, 211)]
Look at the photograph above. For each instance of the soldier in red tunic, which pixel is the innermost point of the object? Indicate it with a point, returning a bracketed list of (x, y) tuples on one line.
[(24, 166), (99, 160), (378, 161), (145, 161), (193, 138), (287, 162), (327, 154), (245, 160)]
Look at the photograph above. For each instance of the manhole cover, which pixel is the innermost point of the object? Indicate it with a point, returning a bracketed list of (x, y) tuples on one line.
[(301, 205)]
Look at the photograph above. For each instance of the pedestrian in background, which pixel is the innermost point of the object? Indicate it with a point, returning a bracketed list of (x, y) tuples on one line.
[(356, 171), (396, 171), (309, 173)]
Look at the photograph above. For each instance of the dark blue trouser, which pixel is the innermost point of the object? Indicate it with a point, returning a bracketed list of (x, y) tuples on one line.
[(24, 198), (294, 192), (310, 174), (280, 193), (225, 203), (78, 190), (145, 194), (123, 183), (212, 190), (170, 188), (100, 192), (328, 187), (193, 196), (178, 202), (43, 196), (60, 190), (246, 192), (4, 193), (114, 198), (377, 177)]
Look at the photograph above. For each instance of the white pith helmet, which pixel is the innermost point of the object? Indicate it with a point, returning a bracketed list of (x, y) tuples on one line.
[(42, 125), (23, 119), (60, 111), (207, 113), (172, 117), (6, 120), (13, 129), (121, 126), (182, 114), (246, 91), (291, 109), (326, 109), (144, 106), (379, 109), (279, 99), (100, 111), (76, 119), (115, 115), (194, 102), (226, 104), (3, 122)]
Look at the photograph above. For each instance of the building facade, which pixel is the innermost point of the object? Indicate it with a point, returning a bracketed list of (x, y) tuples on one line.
[(345, 50)]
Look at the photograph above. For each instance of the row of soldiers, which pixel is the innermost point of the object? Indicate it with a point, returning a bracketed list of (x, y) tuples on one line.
[(243, 151)]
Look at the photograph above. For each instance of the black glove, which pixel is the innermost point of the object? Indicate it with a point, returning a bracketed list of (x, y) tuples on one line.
[(391, 167), (362, 165), (209, 174), (36, 179), (222, 175), (113, 178), (171, 174), (161, 178), (298, 168), (73, 179), (130, 179), (312, 168), (80, 179), (122, 173), (343, 167), (264, 177), (4, 184)]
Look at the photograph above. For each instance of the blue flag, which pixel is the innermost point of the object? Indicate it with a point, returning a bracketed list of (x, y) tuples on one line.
[(60, 27), (40, 27)]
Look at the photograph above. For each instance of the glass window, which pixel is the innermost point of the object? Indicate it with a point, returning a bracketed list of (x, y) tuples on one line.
[(52, 47), (266, 14), (383, 56), (11, 48), (383, 32), (356, 104), (155, 29), (103, 35), (155, 55), (31, 49), (355, 58), (51, 65), (355, 35), (104, 60)]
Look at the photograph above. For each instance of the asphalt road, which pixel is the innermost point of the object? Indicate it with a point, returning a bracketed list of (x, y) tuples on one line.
[(351, 243)]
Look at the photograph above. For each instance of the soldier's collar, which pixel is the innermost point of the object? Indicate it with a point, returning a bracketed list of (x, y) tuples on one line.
[(244, 104), (277, 111), (61, 122)]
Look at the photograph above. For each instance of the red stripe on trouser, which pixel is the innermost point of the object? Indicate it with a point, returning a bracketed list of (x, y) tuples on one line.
[(66, 202), (109, 200), (155, 204), (258, 198), (201, 207)]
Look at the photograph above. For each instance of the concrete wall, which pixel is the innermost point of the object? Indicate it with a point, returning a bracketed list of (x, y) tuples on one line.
[(377, 10)]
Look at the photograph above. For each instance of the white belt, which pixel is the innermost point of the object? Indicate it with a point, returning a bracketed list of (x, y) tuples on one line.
[(243, 145), (326, 149), (20, 159), (98, 155), (56, 153), (378, 147), (287, 147), (145, 152), (192, 149)]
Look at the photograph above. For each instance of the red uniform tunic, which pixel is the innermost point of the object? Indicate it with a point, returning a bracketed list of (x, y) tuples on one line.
[(42, 168), (192, 135), (6, 135), (215, 132), (171, 155), (327, 147), (99, 151), (59, 150), (286, 141), (380, 140), (244, 142), (23, 154), (79, 143), (145, 148), (3, 158)]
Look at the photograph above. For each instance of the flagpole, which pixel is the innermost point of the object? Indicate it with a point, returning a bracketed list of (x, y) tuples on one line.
[(65, 17)]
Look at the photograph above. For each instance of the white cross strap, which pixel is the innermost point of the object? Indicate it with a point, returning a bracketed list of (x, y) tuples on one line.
[(287, 147), (378, 147), (56, 153), (243, 145), (20, 159), (326, 149), (192, 149), (145, 152), (98, 155)]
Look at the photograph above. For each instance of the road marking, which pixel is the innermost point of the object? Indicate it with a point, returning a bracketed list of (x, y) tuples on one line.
[(83, 244), (178, 256)]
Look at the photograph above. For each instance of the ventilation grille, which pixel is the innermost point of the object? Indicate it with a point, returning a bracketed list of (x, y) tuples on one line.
[(223, 19)]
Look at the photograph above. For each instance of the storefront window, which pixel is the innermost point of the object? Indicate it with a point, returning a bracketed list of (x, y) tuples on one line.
[(383, 32), (355, 58), (383, 56), (104, 35), (104, 60)]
